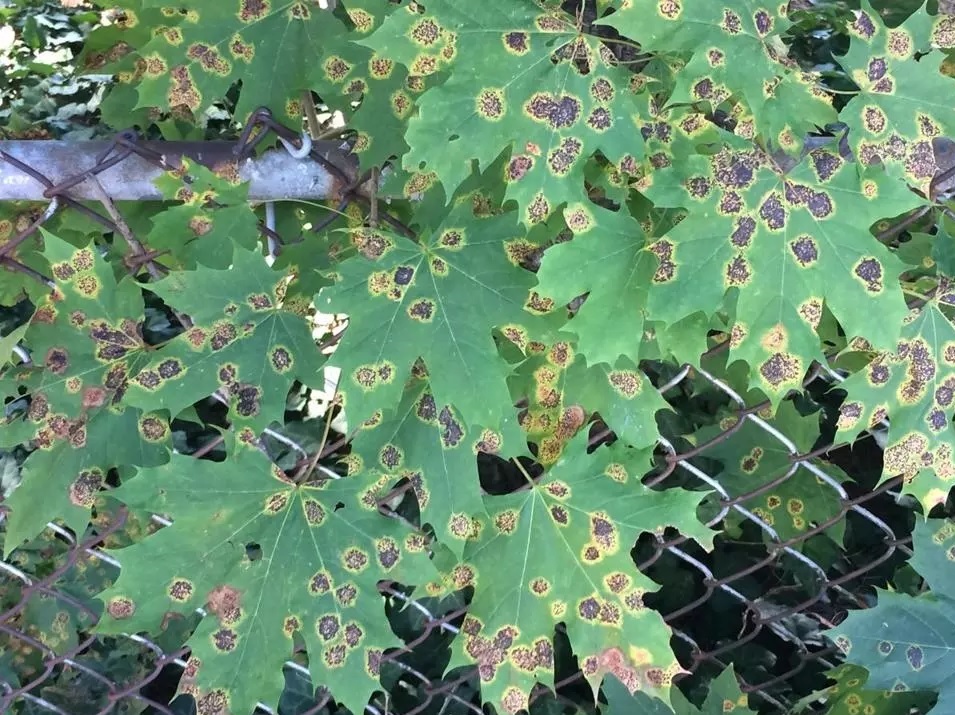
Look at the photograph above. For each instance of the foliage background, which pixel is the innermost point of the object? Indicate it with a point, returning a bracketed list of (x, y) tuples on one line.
[(57, 71)]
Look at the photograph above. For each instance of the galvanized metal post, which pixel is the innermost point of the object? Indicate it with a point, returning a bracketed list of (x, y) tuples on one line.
[(273, 176)]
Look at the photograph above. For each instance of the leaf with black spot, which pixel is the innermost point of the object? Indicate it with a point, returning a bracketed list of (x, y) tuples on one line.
[(790, 499), (244, 342), (201, 51), (85, 341), (505, 94), (786, 244), (902, 103), (737, 52), (566, 542), (438, 300), (272, 563), (913, 385), (905, 641), (427, 444)]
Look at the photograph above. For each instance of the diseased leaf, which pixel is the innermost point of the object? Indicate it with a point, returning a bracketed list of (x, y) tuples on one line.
[(243, 342), (790, 499), (386, 89), (902, 100), (737, 51), (70, 402), (199, 52), (437, 300), (789, 242), (851, 696), (195, 231), (623, 396), (724, 696), (269, 561), (426, 443), (914, 386), (505, 94), (907, 643), (566, 542)]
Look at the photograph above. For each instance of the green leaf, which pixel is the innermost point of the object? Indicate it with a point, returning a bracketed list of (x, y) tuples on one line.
[(85, 342), (902, 100), (913, 385), (736, 51), (438, 300), (907, 643), (505, 94), (566, 544), (607, 259), (789, 243), (268, 560), (426, 443), (194, 58), (243, 341)]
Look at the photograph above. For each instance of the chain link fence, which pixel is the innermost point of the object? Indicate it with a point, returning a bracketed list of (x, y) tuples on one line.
[(769, 594)]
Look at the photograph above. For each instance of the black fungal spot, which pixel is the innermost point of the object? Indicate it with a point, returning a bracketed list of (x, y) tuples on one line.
[(743, 234), (451, 432), (403, 275), (516, 42), (819, 204), (773, 213), (560, 113), (588, 609), (805, 251), (870, 271)]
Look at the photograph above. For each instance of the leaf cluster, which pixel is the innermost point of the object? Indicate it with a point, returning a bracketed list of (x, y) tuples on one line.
[(502, 379)]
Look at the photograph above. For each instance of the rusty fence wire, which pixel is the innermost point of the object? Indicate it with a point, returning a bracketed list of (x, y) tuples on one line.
[(72, 671)]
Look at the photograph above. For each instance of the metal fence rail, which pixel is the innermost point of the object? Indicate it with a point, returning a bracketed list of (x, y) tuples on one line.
[(760, 606)]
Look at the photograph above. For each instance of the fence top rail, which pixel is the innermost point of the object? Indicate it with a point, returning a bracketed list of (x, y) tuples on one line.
[(274, 175)]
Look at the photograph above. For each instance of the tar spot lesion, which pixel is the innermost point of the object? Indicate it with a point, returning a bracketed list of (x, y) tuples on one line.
[(805, 250), (490, 104), (869, 271), (422, 310), (557, 112), (781, 369)]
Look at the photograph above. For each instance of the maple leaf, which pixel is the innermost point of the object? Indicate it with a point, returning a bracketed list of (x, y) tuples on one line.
[(198, 53), (607, 259), (754, 459), (851, 694), (426, 443), (913, 385), (269, 561), (195, 231), (438, 300), (905, 642), (723, 39), (788, 242), (85, 338), (243, 342), (902, 102), (386, 89), (566, 542), (723, 697), (562, 392), (550, 116)]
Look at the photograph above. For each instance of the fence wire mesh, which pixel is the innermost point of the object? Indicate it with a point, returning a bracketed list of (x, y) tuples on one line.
[(755, 600)]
